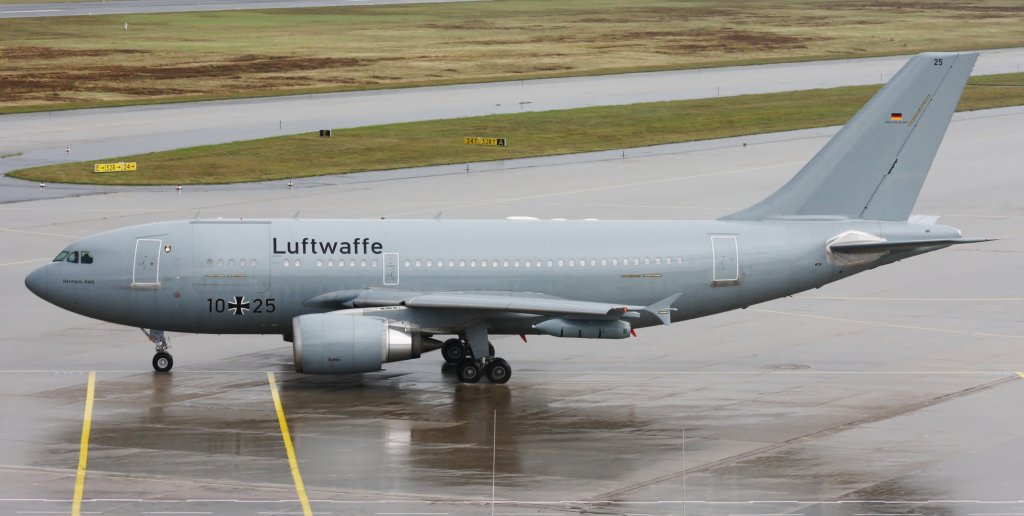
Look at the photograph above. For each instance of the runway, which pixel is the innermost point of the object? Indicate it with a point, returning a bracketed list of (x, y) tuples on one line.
[(46, 138), (38, 10), (893, 392)]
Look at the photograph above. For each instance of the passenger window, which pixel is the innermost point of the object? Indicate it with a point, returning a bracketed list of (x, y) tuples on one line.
[(86, 257), (73, 257), (60, 257)]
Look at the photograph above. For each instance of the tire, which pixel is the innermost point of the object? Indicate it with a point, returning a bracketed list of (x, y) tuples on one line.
[(490, 349), (499, 371), (453, 351), (163, 362), (468, 371)]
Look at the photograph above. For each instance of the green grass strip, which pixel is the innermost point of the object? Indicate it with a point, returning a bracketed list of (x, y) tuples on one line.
[(440, 142)]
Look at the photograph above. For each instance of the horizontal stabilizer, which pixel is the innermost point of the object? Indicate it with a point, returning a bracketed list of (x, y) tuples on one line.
[(875, 247)]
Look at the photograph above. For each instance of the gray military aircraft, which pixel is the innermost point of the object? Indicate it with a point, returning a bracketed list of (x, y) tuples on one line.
[(352, 295)]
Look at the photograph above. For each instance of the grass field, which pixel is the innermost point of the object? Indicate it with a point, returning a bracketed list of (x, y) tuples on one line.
[(88, 61), (530, 134)]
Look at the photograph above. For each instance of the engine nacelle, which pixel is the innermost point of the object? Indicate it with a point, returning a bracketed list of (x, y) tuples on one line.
[(613, 329), (339, 343)]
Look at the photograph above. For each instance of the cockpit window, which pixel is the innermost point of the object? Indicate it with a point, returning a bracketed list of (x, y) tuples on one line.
[(60, 257), (73, 257), (86, 257)]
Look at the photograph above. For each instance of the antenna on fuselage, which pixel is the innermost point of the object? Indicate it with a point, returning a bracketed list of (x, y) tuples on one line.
[(296, 216), (438, 216), (196, 216)]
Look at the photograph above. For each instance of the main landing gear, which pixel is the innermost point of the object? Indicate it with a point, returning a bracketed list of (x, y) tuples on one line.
[(162, 360), (470, 369)]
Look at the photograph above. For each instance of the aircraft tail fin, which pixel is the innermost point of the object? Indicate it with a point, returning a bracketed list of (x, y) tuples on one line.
[(874, 167)]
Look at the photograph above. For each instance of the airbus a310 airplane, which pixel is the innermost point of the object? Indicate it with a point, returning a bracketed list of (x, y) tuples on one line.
[(353, 294)]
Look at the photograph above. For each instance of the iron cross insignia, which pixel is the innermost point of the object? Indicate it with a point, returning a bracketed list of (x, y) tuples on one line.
[(239, 305)]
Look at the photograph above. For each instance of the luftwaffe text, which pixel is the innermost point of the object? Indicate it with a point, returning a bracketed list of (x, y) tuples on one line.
[(313, 246)]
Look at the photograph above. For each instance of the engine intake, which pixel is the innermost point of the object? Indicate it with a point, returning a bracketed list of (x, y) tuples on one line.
[(339, 343)]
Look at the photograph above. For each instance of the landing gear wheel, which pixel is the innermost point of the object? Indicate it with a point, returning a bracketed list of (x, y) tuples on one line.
[(490, 349), (162, 362), (498, 371), (469, 371), (453, 351)]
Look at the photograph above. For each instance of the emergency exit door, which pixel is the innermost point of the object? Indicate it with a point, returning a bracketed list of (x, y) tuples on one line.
[(390, 268)]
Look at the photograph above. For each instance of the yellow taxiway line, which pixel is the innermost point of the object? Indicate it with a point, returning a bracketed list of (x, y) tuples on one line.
[(1020, 374), (300, 488), (83, 454)]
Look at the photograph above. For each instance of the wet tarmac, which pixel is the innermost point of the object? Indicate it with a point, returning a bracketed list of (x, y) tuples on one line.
[(894, 392)]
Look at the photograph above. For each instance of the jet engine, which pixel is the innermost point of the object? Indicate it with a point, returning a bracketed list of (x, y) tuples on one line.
[(339, 343)]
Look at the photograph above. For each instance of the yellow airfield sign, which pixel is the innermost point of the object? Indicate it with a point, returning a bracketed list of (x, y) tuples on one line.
[(121, 166), (479, 140)]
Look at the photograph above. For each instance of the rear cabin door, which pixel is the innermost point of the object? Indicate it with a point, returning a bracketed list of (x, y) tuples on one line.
[(726, 267)]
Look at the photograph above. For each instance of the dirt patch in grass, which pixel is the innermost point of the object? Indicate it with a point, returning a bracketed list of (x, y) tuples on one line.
[(61, 62)]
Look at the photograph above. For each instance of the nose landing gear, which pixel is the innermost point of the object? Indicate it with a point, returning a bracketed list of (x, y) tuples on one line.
[(162, 360)]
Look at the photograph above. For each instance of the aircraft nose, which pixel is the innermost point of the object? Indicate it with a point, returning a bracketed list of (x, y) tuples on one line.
[(36, 282)]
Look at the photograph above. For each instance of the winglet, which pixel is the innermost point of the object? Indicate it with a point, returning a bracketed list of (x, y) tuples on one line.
[(663, 309)]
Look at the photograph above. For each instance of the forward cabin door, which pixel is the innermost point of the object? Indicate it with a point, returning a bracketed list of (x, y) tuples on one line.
[(146, 271)]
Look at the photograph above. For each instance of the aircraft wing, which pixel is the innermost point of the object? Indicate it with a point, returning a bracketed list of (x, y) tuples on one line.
[(875, 247), (511, 302)]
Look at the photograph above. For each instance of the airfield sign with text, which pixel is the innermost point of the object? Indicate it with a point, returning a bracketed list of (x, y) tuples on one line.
[(479, 140), (121, 166)]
